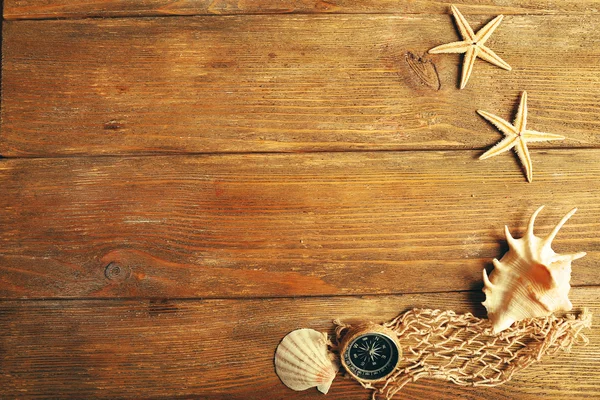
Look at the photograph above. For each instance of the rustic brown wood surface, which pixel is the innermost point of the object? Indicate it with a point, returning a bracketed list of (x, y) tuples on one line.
[(224, 349), (287, 83), (131, 266), (277, 225), (32, 9)]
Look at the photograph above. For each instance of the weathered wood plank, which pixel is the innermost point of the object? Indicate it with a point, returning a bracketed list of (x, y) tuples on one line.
[(282, 225), (224, 349), (287, 83), (35, 9)]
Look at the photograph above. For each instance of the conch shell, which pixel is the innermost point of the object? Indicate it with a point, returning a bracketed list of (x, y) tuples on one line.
[(302, 361), (531, 280)]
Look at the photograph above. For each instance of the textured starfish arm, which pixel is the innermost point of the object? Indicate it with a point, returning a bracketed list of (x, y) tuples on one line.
[(485, 53), (463, 26), (523, 153), (470, 57), (504, 145), (520, 121), (454, 47), (484, 33), (535, 136), (504, 126)]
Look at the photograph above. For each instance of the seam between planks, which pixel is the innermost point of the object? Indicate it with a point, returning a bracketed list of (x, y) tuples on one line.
[(291, 153), (252, 298), (277, 14)]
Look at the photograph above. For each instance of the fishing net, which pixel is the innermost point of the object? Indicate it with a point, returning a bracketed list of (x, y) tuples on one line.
[(461, 348)]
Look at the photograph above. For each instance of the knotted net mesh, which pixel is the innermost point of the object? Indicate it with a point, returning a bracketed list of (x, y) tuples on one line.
[(461, 348)]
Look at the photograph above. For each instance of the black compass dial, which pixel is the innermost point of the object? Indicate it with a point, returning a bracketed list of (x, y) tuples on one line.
[(371, 356)]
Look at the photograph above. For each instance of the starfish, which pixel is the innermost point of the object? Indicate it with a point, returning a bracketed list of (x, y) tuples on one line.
[(517, 136), (473, 45)]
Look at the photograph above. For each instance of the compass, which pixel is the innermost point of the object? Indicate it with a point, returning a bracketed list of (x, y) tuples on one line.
[(370, 354)]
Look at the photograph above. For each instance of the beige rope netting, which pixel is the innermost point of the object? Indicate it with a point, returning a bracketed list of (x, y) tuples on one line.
[(462, 349)]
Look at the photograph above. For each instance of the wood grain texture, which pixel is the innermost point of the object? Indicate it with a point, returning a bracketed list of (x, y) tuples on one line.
[(282, 225), (35, 9), (165, 349), (287, 83)]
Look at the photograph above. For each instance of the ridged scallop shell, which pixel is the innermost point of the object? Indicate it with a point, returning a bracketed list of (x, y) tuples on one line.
[(302, 361), (531, 280)]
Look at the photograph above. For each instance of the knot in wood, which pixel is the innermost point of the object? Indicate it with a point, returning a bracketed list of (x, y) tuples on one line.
[(424, 69), (116, 272)]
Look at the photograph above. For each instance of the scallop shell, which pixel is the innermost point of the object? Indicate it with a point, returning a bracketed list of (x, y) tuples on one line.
[(531, 280), (302, 361)]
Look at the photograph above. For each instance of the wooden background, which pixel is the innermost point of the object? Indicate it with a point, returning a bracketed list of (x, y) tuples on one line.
[(184, 182)]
